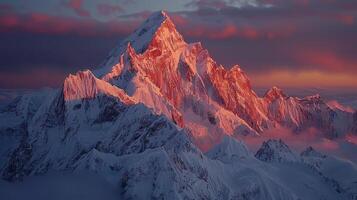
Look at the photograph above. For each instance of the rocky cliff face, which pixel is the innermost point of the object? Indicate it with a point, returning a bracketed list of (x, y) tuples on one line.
[(157, 67)]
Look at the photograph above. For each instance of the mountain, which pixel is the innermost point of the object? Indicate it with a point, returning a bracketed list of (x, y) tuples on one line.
[(275, 151), (158, 119), (155, 66)]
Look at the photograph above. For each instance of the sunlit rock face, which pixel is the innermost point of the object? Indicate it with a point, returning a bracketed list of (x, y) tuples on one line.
[(155, 66)]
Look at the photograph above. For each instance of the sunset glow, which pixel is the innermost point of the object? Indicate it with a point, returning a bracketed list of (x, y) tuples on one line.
[(171, 100), (293, 43), (304, 79)]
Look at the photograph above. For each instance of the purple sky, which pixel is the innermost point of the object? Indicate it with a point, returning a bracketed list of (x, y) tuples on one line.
[(289, 43)]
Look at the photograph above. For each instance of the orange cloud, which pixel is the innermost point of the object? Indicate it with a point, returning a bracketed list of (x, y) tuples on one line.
[(303, 79), (323, 58)]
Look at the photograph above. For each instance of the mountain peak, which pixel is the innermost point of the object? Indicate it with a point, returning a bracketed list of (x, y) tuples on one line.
[(155, 19), (229, 149), (165, 35), (160, 14), (274, 93), (157, 30), (158, 26), (84, 85), (149, 29), (311, 152), (275, 151)]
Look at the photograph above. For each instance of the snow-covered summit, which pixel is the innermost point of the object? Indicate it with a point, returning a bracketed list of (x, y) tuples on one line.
[(229, 150), (274, 93), (311, 152), (276, 151), (157, 30), (84, 85)]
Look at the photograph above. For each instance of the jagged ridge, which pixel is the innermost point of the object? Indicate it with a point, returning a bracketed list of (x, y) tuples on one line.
[(179, 79)]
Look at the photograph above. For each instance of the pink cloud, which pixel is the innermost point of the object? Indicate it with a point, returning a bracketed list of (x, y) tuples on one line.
[(179, 20), (300, 141), (323, 58), (9, 21), (297, 141), (77, 7), (45, 23), (48, 24), (352, 139), (227, 32), (346, 19)]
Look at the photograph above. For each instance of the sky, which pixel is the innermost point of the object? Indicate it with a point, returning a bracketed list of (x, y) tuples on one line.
[(287, 43)]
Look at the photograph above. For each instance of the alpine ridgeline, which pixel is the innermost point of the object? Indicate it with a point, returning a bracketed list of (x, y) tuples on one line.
[(144, 118), (156, 67)]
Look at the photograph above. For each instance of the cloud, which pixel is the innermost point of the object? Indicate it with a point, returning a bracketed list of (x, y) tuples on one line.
[(221, 4), (6, 7), (43, 23), (322, 58), (34, 78), (46, 23), (263, 36), (108, 10), (305, 78), (78, 7), (179, 20), (344, 147), (231, 31), (216, 4)]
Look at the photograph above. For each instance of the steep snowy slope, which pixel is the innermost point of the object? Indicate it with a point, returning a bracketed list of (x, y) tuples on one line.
[(340, 172), (295, 176), (146, 155), (311, 111)]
